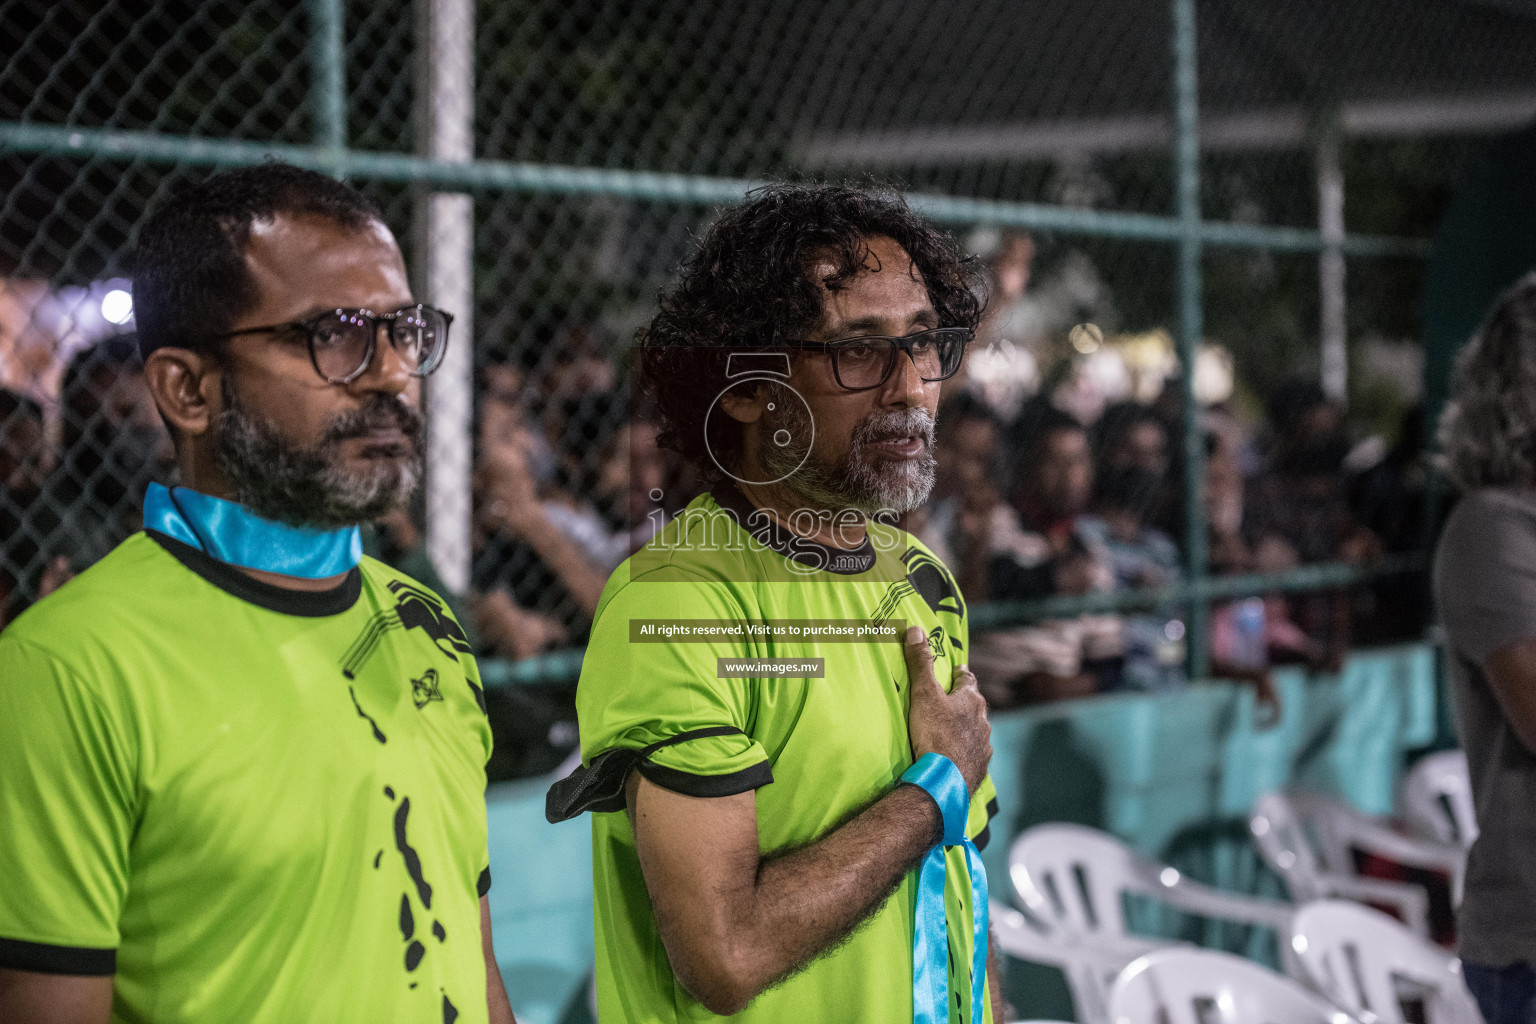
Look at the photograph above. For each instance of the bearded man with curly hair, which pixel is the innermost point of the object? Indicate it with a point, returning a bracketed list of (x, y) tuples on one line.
[(770, 678)]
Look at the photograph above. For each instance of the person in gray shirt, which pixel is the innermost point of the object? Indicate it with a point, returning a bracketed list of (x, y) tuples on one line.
[(1485, 587)]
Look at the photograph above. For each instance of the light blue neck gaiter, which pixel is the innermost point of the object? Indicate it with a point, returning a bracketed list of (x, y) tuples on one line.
[(232, 533)]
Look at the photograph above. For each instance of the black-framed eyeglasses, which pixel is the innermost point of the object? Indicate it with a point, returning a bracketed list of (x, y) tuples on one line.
[(860, 364), (342, 341)]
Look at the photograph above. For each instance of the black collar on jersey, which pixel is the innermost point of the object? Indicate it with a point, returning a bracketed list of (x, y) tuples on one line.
[(766, 530), (307, 603)]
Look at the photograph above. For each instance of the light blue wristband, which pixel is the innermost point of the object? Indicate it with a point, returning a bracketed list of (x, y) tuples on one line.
[(937, 775)]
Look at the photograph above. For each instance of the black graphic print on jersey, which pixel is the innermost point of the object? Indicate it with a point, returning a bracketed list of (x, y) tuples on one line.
[(927, 578), (414, 608)]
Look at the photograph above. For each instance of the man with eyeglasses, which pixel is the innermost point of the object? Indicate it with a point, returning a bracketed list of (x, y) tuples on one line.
[(784, 751), (242, 766)]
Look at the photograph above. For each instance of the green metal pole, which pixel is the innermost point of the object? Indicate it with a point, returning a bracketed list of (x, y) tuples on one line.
[(328, 81), (553, 179), (1186, 117)]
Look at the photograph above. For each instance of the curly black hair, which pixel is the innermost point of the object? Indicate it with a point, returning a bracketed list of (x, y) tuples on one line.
[(749, 286)]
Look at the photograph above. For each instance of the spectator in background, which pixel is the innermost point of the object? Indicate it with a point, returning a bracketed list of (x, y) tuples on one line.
[(1243, 632), (959, 522), (582, 363), (1068, 392), (573, 366), (504, 396), (1298, 513), (22, 451), (29, 351), (1052, 489), (1003, 367), (1073, 389), (587, 433), (1301, 415), (1042, 554), (536, 587), (1388, 499), (1008, 316), (1140, 557), (629, 490), (1131, 435), (113, 445), (1485, 589)]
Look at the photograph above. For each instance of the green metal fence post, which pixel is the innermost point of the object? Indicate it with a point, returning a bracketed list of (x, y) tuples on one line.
[(328, 81), (1186, 114)]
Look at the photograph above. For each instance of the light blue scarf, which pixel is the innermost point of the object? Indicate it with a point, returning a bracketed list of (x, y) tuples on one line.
[(232, 533), (939, 777)]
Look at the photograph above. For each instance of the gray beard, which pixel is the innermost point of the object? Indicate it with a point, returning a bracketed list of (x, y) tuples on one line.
[(857, 481), (309, 486)]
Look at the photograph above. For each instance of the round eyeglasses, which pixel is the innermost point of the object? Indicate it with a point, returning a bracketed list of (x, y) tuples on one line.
[(342, 341), (859, 364)]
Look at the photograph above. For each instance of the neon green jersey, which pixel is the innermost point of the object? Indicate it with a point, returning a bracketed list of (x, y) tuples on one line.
[(814, 749), (243, 802)]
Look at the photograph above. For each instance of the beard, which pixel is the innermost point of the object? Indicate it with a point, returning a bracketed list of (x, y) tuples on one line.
[(311, 486), (858, 479)]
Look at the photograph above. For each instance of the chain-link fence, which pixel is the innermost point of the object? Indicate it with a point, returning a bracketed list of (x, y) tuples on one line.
[(1056, 140)]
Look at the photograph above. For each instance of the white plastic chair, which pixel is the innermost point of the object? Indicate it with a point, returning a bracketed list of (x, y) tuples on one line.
[(1309, 840), (1072, 880), (1437, 798), (1203, 986), (1090, 967), (1366, 962)]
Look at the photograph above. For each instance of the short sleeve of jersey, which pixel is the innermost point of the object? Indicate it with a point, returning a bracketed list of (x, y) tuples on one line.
[(66, 800), (636, 694)]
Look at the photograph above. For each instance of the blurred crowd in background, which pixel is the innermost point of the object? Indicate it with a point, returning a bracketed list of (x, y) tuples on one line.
[(1058, 475)]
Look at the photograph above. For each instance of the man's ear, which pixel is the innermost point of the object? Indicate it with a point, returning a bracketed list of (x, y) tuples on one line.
[(185, 386), (745, 404)]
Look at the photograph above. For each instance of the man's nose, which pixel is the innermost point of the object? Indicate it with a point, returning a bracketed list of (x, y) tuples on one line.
[(388, 370), (905, 386)]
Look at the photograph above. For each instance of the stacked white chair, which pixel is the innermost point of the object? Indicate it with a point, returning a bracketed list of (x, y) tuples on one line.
[(1090, 967), (1309, 841), (1071, 881), (1366, 962), (1202, 986), (1437, 798)]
